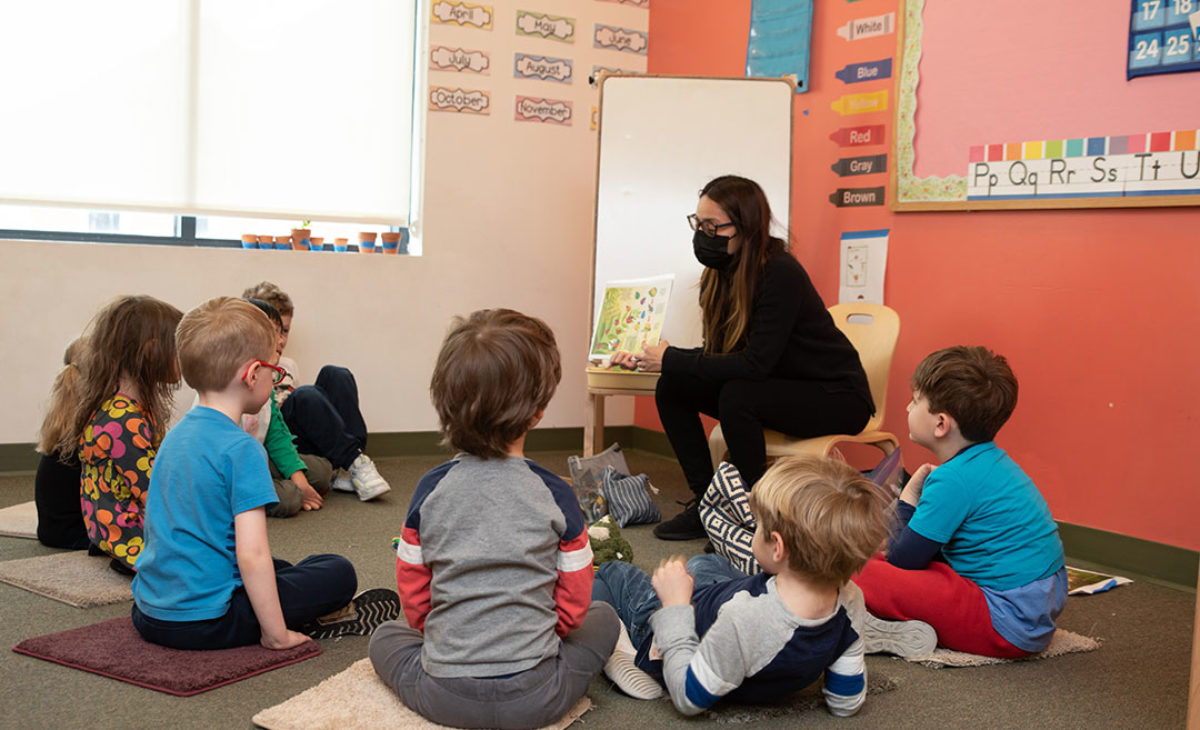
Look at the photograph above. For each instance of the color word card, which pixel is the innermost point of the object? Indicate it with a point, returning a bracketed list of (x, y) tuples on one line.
[(1159, 163), (1164, 37)]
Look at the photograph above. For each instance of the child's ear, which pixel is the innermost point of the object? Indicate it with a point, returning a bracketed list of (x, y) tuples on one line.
[(537, 418), (944, 425), (779, 551)]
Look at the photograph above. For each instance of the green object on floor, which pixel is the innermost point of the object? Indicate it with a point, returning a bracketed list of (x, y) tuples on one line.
[(607, 543)]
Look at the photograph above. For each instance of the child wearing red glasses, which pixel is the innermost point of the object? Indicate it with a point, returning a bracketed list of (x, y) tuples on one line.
[(206, 579)]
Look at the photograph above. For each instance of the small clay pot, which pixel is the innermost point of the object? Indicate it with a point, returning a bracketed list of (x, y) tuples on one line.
[(366, 242), (249, 240)]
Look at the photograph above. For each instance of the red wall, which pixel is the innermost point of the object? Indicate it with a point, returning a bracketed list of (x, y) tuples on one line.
[(1097, 311)]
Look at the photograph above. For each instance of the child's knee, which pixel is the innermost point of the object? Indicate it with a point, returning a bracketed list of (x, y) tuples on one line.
[(289, 497)]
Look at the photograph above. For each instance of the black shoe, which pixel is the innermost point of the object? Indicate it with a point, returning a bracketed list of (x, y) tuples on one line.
[(121, 567), (683, 526), (95, 551)]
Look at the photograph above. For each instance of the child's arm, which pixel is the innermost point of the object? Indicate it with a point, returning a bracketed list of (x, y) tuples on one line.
[(281, 449), (691, 680), (413, 578), (907, 548), (573, 591), (258, 576)]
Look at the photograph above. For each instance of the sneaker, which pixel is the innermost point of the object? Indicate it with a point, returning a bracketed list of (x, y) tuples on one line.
[(366, 479), (902, 638), (342, 481), (359, 617), (120, 566), (624, 673), (683, 526)]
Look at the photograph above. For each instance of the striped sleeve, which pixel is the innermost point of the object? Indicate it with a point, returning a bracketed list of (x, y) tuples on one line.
[(573, 590), (845, 685), (413, 578)]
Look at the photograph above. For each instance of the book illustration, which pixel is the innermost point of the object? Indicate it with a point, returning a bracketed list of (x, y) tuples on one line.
[(631, 315), (1087, 582)]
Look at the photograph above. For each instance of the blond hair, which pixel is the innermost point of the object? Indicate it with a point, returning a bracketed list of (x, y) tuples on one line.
[(496, 370), (831, 519), (55, 437), (217, 337), (273, 295)]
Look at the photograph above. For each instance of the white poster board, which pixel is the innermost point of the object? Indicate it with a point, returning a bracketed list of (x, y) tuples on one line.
[(661, 139)]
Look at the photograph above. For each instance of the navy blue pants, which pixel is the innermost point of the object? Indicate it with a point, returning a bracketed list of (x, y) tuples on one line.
[(325, 419), (315, 586)]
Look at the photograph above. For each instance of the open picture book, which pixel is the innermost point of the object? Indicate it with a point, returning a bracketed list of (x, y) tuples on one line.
[(630, 316)]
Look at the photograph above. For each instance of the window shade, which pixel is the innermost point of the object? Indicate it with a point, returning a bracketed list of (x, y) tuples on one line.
[(292, 109)]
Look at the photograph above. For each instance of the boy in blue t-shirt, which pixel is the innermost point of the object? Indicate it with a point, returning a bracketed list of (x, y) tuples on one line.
[(1000, 582), (206, 579)]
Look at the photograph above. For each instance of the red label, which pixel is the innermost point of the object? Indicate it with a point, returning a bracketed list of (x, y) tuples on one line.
[(867, 134)]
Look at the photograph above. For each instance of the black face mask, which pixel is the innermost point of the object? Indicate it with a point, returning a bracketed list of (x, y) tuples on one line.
[(712, 251)]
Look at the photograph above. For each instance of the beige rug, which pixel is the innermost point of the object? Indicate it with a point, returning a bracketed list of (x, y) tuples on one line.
[(357, 699), (1064, 642), (74, 577), (19, 520)]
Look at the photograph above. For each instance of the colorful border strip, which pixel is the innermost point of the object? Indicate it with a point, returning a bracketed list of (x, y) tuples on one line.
[(1182, 140)]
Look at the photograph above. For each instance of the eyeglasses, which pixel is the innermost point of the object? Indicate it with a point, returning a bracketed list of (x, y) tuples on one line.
[(709, 227), (277, 375)]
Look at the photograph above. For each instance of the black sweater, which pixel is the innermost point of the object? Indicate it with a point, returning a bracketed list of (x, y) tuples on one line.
[(790, 336)]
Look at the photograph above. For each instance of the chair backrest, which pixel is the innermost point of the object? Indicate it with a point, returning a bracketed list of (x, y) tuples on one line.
[(873, 330)]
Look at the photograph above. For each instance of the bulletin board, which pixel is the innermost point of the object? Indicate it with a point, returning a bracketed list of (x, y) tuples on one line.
[(1025, 104), (661, 138)]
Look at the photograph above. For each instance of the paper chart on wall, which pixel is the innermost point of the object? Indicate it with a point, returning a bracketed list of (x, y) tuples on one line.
[(863, 266), (631, 315)]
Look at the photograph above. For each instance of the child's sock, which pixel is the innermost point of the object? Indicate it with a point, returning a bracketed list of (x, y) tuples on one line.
[(624, 673)]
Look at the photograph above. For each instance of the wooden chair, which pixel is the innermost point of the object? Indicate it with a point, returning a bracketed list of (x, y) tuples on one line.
[(873, 330)]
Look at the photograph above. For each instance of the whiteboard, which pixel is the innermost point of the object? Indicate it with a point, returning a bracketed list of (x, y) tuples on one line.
[(661, 138)]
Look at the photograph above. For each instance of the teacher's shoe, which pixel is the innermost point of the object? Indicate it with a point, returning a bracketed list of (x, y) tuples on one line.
[(683, 526)]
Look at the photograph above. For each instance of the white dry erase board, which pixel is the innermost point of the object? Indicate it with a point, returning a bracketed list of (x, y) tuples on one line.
[(661, 138)]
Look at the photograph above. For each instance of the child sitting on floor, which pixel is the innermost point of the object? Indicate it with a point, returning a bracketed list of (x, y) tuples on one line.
[(709, 632), (56, 486), (493, 562), (1000, 584), (324, 417), (207, 579), (129, 377)]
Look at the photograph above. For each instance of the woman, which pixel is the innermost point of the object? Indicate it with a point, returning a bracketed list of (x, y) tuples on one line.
[(772, 356)]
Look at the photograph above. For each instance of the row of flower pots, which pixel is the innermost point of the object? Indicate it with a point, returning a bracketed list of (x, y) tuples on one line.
[(302, 240)]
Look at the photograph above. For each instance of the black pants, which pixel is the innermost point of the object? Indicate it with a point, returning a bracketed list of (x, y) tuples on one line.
[(798, 408), (315, 586), (325, 418)]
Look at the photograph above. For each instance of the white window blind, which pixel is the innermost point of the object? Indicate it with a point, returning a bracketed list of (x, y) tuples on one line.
[(298, 109)]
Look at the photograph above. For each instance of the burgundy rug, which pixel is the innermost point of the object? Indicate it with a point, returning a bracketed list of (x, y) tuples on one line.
[(115, 649)]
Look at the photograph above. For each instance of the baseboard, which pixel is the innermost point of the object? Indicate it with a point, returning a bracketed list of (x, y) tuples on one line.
[(18, 458), (1131, 557)]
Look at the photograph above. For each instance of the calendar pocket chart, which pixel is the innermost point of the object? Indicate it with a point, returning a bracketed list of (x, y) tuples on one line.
[(1163, 37)]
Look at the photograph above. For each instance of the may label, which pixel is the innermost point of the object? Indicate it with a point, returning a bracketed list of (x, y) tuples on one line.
[(442, 58), (473, 101), (479, 16), (620, 39), (553, 111), (540, 25), (526, 66)]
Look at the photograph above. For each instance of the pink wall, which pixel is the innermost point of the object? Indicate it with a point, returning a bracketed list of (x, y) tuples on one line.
[(1096, 310)]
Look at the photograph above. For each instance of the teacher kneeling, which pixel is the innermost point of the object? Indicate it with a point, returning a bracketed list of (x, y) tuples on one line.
[(772, 356)]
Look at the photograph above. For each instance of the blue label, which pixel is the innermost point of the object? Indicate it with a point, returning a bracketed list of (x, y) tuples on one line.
[(870, 71)]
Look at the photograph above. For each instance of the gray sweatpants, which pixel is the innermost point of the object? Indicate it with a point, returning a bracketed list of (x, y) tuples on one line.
[(530, 699)]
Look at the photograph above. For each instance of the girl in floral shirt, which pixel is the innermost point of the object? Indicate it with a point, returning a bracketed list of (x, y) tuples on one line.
[(130, 374)]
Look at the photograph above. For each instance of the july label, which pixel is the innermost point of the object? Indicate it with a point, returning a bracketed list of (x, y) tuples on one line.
[(478, 16), (526, 66), (442, 58), (553, 111), (540, 25)]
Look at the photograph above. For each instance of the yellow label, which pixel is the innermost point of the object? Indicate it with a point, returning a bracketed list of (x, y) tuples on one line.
[(876, 101)]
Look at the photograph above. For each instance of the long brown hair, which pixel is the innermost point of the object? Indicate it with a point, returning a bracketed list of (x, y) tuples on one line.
[(133, 336), (64, 395), (727, 296)]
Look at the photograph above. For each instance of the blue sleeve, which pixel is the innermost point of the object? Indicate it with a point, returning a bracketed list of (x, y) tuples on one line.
[(251, 484), (907, 548)]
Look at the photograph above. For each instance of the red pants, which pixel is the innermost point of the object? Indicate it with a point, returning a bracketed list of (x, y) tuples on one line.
[(954, 606)]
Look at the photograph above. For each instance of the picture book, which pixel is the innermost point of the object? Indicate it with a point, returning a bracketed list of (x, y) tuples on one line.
[(631, 315)]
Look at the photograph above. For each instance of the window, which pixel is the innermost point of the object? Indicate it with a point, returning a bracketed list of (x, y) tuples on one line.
[(175, 110)]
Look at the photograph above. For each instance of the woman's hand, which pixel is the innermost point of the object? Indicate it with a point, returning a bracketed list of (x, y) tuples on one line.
[(672, 582), (650, 361), (624, 359)]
